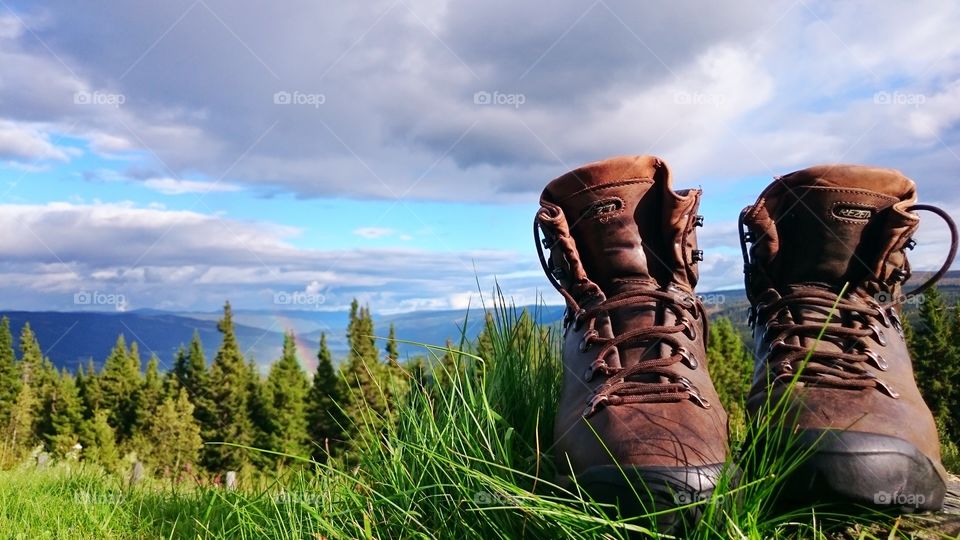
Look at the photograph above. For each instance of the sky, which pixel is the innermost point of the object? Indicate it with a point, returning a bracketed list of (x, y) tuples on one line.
[(295, 155)]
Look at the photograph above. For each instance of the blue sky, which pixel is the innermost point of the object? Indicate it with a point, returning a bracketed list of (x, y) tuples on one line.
[(180, 154)]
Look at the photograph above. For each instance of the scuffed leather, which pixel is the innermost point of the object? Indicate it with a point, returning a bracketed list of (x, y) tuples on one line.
[(799, 245), (646, 242)]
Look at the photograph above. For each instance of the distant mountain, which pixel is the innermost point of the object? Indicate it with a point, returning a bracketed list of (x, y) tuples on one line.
[(70, 338)]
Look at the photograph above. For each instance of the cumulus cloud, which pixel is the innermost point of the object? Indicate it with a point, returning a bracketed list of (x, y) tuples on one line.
[(20, 141), (442, 100), (381, 100), (184, 259)]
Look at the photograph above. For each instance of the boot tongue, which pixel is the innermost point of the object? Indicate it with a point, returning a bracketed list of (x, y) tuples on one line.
[(621, 214), (614, 208), (827, 236)]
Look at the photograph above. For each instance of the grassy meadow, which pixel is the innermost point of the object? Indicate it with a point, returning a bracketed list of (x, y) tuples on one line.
[(467, 459)]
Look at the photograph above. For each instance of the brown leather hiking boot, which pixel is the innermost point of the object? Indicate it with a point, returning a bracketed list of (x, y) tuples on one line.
[(638, 412), (855, 409)]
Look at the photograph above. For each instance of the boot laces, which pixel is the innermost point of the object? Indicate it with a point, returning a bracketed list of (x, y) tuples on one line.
[(650, 380), (845, 368)]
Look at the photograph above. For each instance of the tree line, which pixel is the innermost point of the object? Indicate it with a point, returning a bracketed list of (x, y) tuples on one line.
[(163, 419), (269, 422)]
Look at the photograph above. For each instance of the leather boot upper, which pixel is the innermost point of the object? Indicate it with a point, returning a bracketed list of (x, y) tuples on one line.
[(813, 234), (623, 251)]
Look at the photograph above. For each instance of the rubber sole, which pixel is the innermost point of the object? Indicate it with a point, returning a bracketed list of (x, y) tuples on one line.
[(850, 467), (639, 491)]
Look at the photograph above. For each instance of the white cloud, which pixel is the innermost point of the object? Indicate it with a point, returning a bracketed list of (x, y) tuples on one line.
[(176, 186), (109, 145), (188, 260), (723, 92), (28, 142), (372, 233), (10, 27), (767, 88)]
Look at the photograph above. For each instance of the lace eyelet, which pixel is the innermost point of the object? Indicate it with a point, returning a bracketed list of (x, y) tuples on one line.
[(887, 388), (878, 334), (895, 321), (691, 332), (694, 392), (688, 359), (876, 360), (699, 400), (593, 404), (587, 340), (588, 375)]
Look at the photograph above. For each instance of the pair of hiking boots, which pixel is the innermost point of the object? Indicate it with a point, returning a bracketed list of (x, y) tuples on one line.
[(639, 421)]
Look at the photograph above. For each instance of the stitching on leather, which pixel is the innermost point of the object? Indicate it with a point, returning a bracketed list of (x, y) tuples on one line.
[(618, 183), (856, 191)]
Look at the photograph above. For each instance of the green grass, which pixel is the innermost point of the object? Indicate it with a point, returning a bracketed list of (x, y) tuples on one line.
[(470, 459)]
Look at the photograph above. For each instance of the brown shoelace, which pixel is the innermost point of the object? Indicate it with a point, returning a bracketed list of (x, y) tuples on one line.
[(835, 368), (829, 368), (632, 384)]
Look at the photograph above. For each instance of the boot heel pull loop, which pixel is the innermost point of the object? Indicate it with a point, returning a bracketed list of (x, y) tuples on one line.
[(954, 241)]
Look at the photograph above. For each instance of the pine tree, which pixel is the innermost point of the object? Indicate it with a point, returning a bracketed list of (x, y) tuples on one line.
[(730, 366), (286, 391), (133, 358), (935, 359), (366, 396), (64, 411), (485, 346), (31, 357), (9, 372), (88, 383), (19, 434), (120, 383), (38, 373), (325, 421), (173, 436), (151, 394), (261, 417), (174, 379), (190, 372), (393, 352), (230, 403), (99, 442), (396, 383), (190, 367)]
